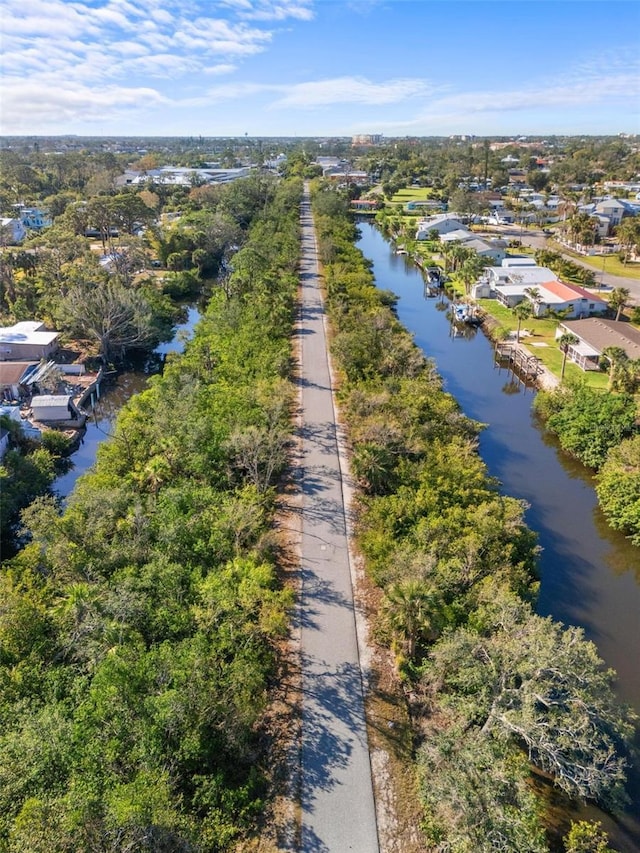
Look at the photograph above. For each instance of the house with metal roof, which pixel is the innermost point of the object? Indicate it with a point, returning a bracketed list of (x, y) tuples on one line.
[(576, 301), (56, 408), (595, 335), (27, 340)]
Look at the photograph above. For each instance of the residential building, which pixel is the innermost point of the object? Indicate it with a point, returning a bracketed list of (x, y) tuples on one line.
[(52, 408), (595, 335), (443, 223), (12, 231), (33, 218), (28, 340), (576, 301), (14, 378), (366, 139)]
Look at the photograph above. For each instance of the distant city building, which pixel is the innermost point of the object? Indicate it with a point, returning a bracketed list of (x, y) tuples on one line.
[(366, 139)]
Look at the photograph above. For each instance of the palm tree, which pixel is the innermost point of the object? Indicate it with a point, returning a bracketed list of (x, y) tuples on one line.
[(565, 340), (521, 311), (628, 235), (616, 357), (535, 297), (409, 607), (471, 270), (618, 300)]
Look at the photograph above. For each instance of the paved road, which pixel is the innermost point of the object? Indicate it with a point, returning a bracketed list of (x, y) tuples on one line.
[(338, 811)]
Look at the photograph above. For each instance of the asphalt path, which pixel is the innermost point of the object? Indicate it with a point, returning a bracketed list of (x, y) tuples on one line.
[(337, 801)]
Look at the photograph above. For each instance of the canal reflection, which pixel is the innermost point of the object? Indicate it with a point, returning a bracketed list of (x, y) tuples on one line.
[(590, 574)]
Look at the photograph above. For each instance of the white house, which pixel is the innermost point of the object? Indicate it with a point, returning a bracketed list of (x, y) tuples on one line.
[(550, 295), (12, 230), (519, 261), (55, 408), (443, 223), (457, 236), (485, 249), (576, 301), (27, 340), (524, 276)]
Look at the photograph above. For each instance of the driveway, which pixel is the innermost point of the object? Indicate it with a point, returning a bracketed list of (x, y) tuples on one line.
[(337, 802)]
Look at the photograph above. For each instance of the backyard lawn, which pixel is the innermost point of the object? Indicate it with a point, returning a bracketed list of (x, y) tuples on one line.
[(541, 331)]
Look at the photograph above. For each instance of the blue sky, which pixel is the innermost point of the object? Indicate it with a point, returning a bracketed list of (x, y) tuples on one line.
[(319, 67)]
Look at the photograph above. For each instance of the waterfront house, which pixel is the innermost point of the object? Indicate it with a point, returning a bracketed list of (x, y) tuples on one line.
[(457, 236), (512, 285), (560, 297), (57, 409), (485, 248), (14, 378), (595, 335), (443, 223), (27, 340)]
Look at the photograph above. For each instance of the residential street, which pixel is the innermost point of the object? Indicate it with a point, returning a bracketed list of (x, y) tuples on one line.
[(338, 810)]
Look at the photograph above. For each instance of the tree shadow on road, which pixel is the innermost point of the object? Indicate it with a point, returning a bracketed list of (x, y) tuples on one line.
[(332, 725), (315, 591)]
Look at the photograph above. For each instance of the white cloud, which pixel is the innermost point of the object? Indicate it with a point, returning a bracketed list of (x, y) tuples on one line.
[(222, 68), (271, 10), (69, 103), (58, 47), (342, 90)]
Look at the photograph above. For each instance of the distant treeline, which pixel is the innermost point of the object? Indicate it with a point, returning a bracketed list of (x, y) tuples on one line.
[(138, 628), (497, 691)]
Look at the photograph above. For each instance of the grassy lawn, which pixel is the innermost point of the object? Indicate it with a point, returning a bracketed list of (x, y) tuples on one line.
[(413, 194), (543, 333), (612, 263)]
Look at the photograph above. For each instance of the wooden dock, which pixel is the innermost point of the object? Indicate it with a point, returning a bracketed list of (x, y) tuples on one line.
[(528, 366)]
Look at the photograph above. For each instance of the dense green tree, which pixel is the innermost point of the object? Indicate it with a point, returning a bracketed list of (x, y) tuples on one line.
[(523, 677), (587, 837), (476, 796), (618, 488), (588, 423), (110, 316)]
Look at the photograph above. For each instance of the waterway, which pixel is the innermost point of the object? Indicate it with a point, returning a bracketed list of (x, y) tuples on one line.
[(590, 575), (114, 393)]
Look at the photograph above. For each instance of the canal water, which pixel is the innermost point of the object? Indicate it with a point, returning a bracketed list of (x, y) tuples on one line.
[(114, 393), (590, 575)]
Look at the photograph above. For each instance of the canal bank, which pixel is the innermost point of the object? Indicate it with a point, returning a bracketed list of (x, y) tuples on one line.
[(115, 390), (590, 575)]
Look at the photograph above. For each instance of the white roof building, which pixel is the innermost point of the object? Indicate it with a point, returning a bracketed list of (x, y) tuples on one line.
[(26, 341)]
